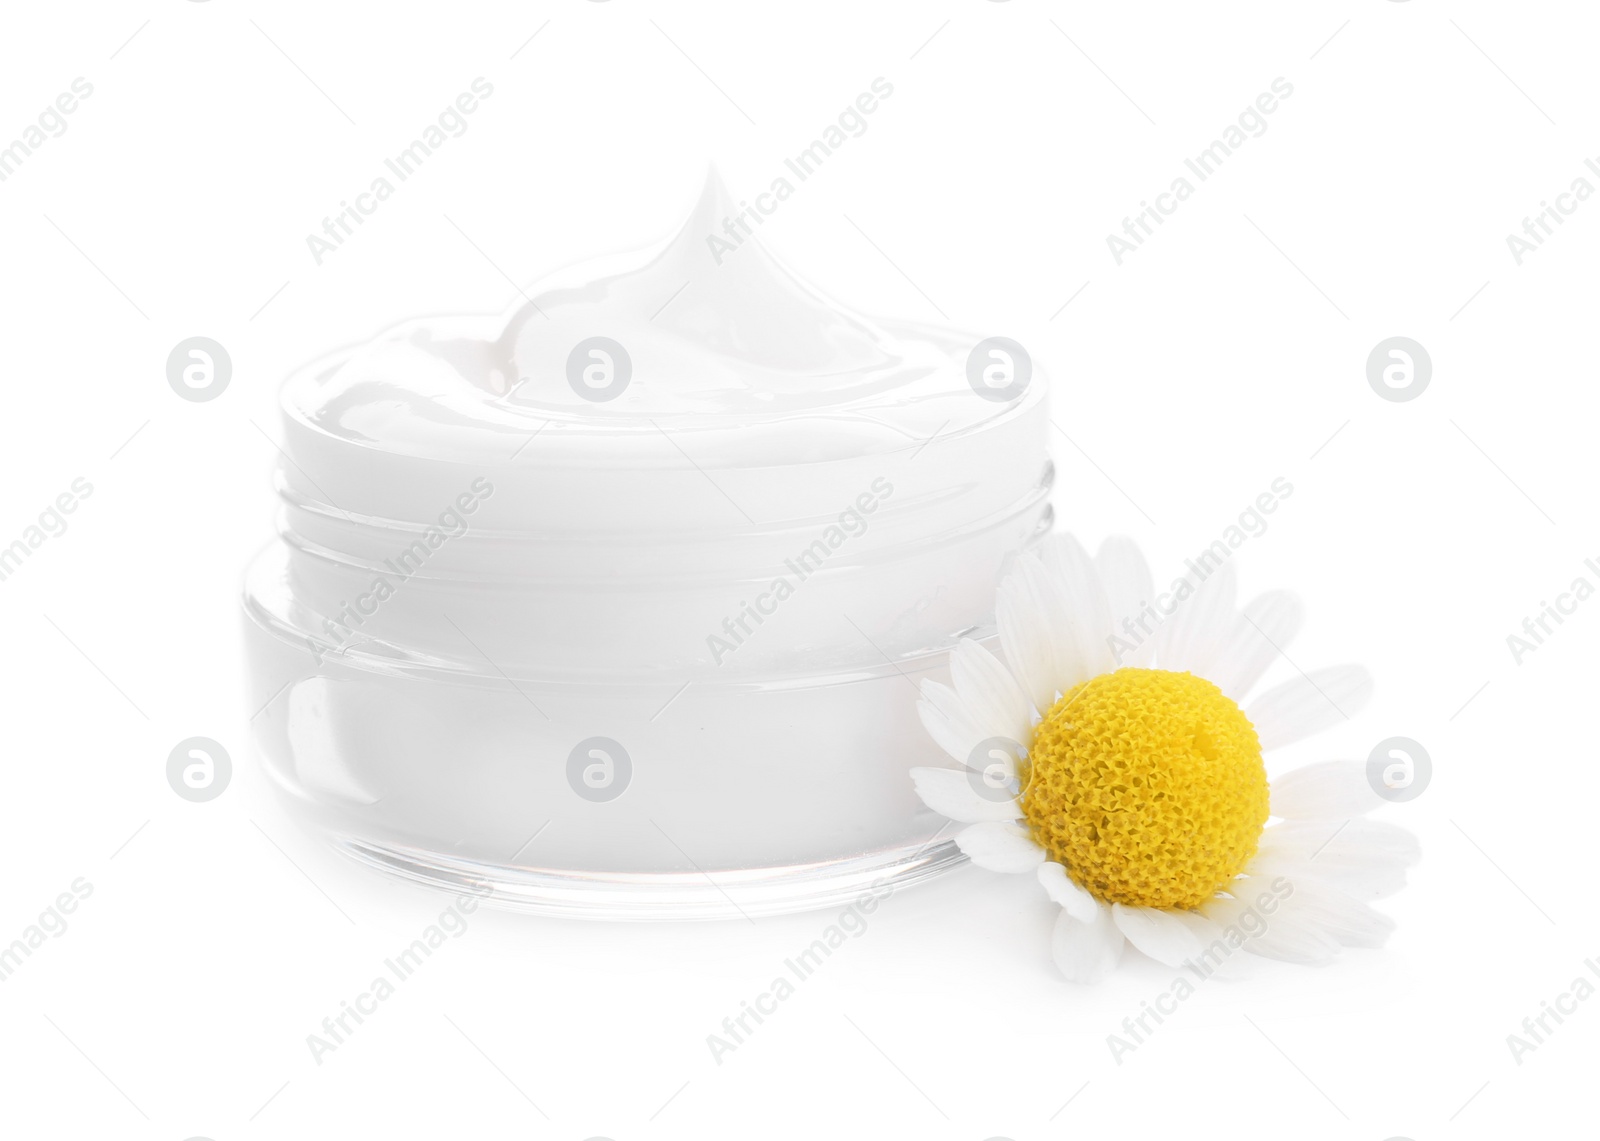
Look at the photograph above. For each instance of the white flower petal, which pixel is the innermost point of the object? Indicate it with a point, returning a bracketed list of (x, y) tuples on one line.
[(1086, 952), (1025, 632), (1309, 917), (1204, 929), (1275, 934), (1292, 940), (1073, 899), (1377, 878), (1053, 620), (989, 692), (1125, 578), (941, 697), (938, 727), (1263, 630), (950, 721), (1349, 921), (1000, 847), (1157, 933), (996, 763), (1309, 704), (1082, 633), (950, 735), (1357, 841), (1199, 628), (1365, 858), (1327, 790), (963, 796), (1217, 955)]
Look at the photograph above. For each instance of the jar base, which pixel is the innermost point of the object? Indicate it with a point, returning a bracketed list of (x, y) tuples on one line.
[(669, 896)]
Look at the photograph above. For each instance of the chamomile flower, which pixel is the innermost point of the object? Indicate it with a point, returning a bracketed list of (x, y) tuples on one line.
[(1113, 754)]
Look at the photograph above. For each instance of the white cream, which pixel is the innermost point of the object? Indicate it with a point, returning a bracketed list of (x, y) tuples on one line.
[(741, 348), (732, 568)]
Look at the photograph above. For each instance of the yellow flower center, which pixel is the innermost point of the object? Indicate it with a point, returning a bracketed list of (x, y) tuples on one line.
[(1148, 786)]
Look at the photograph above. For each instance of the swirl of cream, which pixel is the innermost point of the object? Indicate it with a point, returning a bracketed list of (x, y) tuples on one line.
[(712, 343)]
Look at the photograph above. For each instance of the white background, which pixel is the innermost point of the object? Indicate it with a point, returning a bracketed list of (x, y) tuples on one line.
[(1229, 351)]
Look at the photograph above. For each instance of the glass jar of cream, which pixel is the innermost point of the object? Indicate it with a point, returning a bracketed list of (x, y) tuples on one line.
[(619, 606)]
